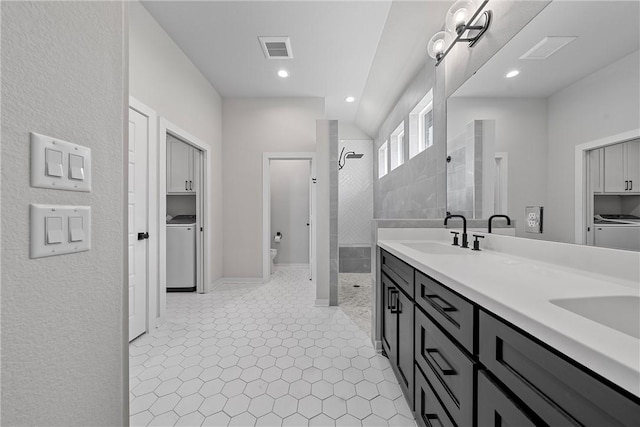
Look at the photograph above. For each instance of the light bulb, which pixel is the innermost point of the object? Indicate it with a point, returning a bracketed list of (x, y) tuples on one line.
[(512, 74), (461, 16), (349, 99), (283, 73), (438, 46)]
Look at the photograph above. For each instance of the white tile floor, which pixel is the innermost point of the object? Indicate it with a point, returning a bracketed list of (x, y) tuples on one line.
[(261, 355)]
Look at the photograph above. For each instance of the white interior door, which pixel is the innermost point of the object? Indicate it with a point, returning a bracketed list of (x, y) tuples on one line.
[(310, 225), (138, 222), (199, 190)]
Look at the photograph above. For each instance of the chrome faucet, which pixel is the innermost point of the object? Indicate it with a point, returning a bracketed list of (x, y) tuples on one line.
[(465, 244), (492, 217)]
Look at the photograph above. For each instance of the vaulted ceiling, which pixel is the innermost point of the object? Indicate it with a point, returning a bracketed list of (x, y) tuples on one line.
[(366, 49)]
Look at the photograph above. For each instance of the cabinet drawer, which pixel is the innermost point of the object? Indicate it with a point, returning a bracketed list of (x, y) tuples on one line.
[(447, 368), (454, 314), (429, 412), (399, 271), (557, 390), (496, 409)]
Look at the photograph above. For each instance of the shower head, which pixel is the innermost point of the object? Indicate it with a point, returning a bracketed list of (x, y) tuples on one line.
[(348, 155)]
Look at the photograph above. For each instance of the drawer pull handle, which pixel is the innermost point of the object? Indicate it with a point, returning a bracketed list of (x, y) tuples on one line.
[(432, 420), (440, 304), (440, 361), (394, 301)]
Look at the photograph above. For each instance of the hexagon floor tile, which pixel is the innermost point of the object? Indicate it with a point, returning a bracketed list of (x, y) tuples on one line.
[(248, 354)]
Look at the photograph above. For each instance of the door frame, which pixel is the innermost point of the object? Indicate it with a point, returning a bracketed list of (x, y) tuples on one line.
[(152, 213), (267, 157), (581, 180), (165, 126)]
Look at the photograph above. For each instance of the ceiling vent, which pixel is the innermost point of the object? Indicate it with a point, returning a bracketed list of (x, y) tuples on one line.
[(547, 47), (276, 47)]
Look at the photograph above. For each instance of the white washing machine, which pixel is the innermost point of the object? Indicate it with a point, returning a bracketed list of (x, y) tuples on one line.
[(181, 254)]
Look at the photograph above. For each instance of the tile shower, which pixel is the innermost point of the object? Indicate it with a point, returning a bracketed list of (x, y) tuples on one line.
[(355, 207), (355, 211)]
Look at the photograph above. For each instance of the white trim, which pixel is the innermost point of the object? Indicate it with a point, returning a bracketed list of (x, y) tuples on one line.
[(504, 180), (292, 265), (322, 303), (266, 208), (214, 285), (240, 281), (580, 177), (152, 210), (165, 126)]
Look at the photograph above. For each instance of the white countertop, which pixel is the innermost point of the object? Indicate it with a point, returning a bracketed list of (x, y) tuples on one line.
[(518, 289)]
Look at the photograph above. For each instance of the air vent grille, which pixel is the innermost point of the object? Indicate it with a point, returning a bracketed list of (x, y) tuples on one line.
[(547, 47), (276, 47)]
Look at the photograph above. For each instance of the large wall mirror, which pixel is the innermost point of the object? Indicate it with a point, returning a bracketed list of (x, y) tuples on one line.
[(568, 79)]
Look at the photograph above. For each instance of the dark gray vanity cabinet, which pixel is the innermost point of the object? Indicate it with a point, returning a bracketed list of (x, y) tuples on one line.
[(397, 319), (496, 409), (555, 388), (459, 365), (389, 318)]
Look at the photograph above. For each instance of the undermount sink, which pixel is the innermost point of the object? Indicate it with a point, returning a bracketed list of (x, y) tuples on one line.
[(621, 313), (436, 248)]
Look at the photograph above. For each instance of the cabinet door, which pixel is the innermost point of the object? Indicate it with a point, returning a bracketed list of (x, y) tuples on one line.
[(404, 308), (496, 409), (389, 318), (614, 176), (179, 167), (557, 390), (596, 170), (633, 166)]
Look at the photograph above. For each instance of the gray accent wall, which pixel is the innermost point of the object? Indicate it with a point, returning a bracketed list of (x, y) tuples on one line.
[(64, 328), (417, 188)]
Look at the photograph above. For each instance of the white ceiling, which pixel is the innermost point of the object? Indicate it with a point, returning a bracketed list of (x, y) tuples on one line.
[(333, 45), (606, 30), (369, 49)]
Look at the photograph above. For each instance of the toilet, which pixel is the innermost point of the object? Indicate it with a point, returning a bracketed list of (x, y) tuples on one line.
[(274, 252)]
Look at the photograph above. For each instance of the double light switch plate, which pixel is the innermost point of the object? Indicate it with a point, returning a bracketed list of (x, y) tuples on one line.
[(57, 230), (59, 164)]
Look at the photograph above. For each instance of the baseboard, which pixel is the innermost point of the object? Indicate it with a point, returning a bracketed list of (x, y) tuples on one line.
[(214, 285), (242, 280), (291, 265), (234, 280), (322, 302)]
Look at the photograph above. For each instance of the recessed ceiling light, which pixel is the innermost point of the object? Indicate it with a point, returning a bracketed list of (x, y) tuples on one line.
[(512, 74), (283, 73), (349, 99)]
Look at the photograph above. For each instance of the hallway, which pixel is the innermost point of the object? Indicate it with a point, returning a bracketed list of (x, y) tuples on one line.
[(261, 355)]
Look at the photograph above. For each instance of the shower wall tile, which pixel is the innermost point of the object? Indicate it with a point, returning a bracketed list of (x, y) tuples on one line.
[(356, 194)]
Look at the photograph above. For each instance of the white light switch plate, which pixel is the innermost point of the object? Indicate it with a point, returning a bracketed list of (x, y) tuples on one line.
[(68, 225), (533, 219), (74, 171)]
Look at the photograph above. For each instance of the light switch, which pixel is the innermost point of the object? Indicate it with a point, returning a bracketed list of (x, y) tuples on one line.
[(53, 229), (76, 167), (60, 165), (59, 230), (76, 232), (53, 162)]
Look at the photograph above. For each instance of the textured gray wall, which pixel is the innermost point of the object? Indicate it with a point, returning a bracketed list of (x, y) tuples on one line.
[(418, 188), (64, 352)]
